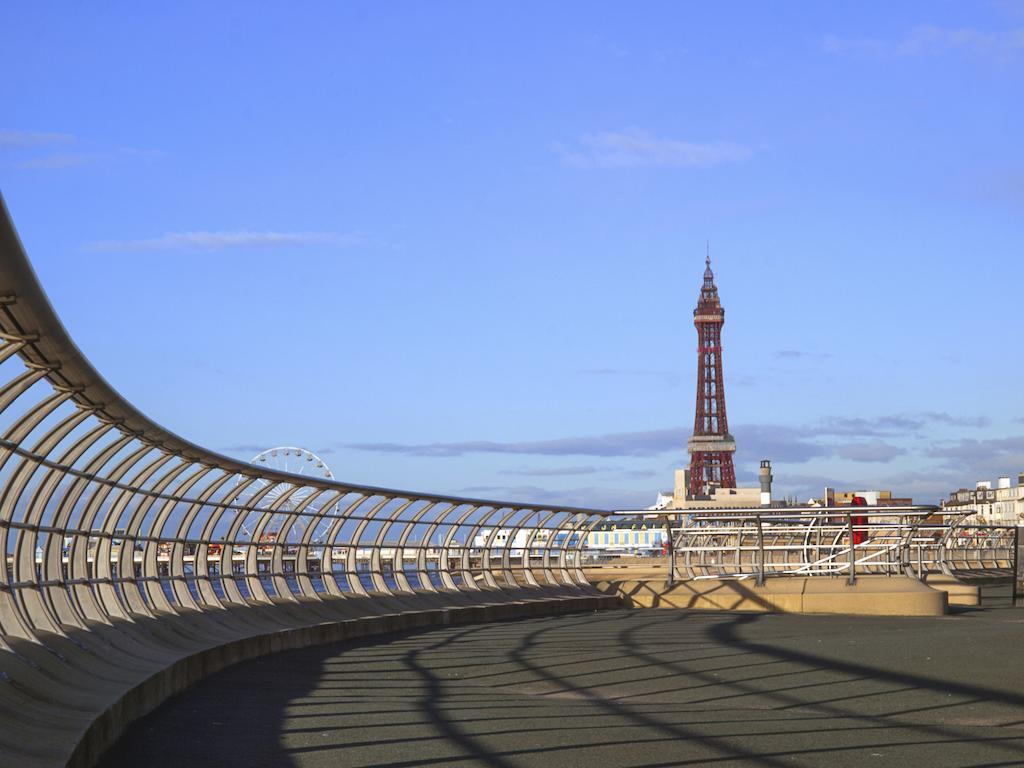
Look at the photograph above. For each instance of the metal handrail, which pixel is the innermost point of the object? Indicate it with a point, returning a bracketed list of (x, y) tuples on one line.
[(94, 494), (826, 541)]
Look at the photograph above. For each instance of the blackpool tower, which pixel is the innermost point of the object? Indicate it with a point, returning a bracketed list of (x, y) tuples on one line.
[(711, 447)]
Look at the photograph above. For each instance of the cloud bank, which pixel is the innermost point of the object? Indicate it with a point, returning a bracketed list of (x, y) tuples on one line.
[(860, 440), (649, 443)]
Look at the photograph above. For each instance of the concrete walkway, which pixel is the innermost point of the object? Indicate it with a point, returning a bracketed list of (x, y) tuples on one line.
[(619, 688)]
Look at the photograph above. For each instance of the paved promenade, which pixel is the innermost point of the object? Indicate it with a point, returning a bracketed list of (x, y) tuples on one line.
[(621, 688)]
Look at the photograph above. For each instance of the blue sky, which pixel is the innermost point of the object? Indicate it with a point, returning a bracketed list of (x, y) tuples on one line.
[(456, 246)]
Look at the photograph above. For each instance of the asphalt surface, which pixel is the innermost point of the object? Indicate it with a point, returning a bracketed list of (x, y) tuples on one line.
[(622, 688)]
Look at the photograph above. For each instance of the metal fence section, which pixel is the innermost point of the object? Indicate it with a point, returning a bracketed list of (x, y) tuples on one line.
[(105, 514), (111, 526), (839, 541)]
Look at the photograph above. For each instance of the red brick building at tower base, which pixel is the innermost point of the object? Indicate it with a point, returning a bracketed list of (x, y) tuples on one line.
[(711, 447)]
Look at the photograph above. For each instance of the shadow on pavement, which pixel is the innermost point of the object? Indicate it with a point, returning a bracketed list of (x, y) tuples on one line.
[(620, 688)]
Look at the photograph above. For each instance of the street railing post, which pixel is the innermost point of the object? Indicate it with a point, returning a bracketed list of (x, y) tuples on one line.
[(760, 550), (853, 550), (1016, 564), (671, 580)]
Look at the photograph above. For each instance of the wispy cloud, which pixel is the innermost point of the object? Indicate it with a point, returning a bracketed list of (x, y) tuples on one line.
[(34, 138), (245, 448), (253, 449), (550, 471), (777, 442), (590, 496), (870, 451), (969, 451), (865, 441), (208, 241), (796, 354), (60, 160), (899, 424), (46, 141), (649, 443), (638, 474), (50, 150), (798, 445), (962, 462), (607, 471), (636, 148), (948, 420), (755, 441), (784, 444), (930, 40), (923, 486)]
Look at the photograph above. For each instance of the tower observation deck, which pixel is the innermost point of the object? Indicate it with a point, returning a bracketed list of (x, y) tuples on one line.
[(711, 447)]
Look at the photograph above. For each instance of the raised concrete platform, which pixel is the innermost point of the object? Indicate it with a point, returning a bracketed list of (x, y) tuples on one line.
[(957, 592), (870, 596)]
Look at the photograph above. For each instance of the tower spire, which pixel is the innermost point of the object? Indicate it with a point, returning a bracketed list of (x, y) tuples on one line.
[(711, 447), (709, 276)]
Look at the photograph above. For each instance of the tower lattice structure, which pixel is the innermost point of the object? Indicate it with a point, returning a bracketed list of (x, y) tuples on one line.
[(711, 447)]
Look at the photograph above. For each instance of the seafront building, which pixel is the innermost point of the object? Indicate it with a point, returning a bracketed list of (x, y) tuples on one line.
[(628, 537), (1001, 505)]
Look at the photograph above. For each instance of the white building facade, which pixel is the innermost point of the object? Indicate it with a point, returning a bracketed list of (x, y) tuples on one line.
[(999, 505)]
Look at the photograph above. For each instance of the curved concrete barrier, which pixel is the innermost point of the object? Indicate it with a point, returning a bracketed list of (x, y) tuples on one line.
[(958, 592)]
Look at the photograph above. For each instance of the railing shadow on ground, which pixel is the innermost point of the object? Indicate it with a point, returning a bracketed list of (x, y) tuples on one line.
[(624, 688)]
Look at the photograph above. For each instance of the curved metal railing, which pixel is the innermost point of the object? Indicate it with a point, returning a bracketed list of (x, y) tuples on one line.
[(104, 514)]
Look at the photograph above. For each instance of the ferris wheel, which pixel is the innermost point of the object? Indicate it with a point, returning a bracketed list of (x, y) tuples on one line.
[(296, 461)]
